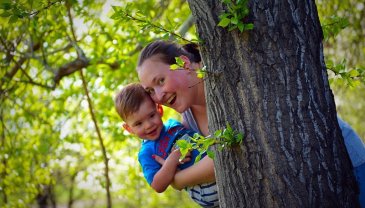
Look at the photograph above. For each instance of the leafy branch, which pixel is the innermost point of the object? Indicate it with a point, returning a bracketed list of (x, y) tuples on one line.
[(145, 23), (353, 76), (200, 73), (333, 25), (235, 16), (16, 10), (224, 138)]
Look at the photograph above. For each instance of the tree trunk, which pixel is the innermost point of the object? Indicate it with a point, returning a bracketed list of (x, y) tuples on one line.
[(271, 83)]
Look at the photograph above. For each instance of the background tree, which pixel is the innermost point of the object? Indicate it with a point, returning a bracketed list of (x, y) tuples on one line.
[(49, 147)]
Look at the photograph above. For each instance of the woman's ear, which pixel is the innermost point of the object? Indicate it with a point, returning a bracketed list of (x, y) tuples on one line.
[(127, 127), (187, 62), (160, 109)]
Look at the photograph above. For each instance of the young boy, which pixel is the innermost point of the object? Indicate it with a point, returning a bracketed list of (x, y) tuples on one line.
[(142, 117)]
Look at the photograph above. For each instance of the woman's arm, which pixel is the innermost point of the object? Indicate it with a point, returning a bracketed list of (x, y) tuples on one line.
[(201, 172)]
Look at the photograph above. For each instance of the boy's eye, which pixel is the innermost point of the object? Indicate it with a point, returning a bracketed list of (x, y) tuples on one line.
[(138, 124), (152, 115), (150, 91)]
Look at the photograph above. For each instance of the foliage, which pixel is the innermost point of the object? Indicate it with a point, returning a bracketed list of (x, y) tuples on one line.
[(332, 26), (223, 138), (200, 73), (345, 57), (353, 77), (49, 146), (235, 16)]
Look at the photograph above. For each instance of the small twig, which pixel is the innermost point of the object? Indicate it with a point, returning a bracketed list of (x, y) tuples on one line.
[(71, 23), (36, 83), (182, 31), (3, 173), (44, 8), (156, 26)]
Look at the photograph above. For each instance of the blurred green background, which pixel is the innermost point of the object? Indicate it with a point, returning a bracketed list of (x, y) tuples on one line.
[(51, 151)]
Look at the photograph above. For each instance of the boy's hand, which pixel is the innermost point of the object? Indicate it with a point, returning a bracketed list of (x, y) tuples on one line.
[(173, 154)]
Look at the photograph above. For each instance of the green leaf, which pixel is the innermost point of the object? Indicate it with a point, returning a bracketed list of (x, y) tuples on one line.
[(211, 154), (234, 20), (13, 19), (197, 159), (241, 26), (182, 144), (224, 22), (200, 74), (179, 61), (249, 26), (224, 15), (218, 133), (354, 73), (174, 66)]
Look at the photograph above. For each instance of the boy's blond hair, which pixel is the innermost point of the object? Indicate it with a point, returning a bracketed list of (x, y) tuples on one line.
[(129, 99)]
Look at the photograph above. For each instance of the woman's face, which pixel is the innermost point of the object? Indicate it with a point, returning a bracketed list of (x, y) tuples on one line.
[(172, 88)]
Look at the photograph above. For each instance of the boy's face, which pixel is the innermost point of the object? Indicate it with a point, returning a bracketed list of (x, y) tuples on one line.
[(146, 123)]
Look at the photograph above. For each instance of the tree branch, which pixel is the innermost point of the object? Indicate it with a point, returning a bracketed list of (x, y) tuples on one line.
[(4, 161), (37, 84), (75, 65), (10, 74), (154, 25), (44, 8), (183, 29), (70, 68), (106, 159)]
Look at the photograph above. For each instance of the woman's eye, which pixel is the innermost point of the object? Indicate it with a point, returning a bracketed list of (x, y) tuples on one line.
[(161, 81), (152, 115)]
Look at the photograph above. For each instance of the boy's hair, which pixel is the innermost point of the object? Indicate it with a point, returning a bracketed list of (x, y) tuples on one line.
[(129, 99)]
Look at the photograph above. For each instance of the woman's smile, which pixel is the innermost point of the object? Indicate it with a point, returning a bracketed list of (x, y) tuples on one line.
[(171, 99)]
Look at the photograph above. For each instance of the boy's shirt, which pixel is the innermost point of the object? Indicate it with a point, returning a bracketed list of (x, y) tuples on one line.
[(170, 133)]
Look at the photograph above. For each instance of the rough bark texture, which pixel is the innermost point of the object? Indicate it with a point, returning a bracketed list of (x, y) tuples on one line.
[(271, 83)]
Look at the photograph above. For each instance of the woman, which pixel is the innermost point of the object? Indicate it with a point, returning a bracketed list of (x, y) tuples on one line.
[(183, 91)]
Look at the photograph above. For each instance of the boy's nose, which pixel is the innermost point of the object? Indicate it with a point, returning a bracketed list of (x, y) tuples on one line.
[(148, 124)]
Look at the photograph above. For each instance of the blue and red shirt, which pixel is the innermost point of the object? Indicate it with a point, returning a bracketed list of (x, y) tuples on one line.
[(170, 133)]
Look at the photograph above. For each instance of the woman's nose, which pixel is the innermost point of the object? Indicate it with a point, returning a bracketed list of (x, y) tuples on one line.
[(159, 95)]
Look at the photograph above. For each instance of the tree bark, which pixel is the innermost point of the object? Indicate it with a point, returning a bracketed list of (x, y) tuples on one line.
[(271, 83)]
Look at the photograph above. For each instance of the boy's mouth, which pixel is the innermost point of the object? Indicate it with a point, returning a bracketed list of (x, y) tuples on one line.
[(152, 133)]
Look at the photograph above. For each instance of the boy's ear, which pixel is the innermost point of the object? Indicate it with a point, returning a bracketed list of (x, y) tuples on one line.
[(160, 109), (127, 127), (187, 63)]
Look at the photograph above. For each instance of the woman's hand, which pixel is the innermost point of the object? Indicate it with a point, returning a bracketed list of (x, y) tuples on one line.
[(200, 172)]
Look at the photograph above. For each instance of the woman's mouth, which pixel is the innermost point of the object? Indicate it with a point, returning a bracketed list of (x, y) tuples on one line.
[(171, 100)]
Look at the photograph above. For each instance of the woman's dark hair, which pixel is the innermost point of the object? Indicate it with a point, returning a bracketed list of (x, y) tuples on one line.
[(168, 50)]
